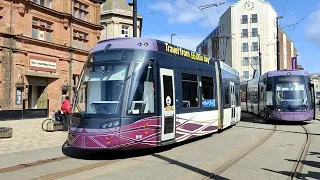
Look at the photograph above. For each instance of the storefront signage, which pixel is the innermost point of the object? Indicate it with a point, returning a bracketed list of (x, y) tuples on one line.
[(43, 65)]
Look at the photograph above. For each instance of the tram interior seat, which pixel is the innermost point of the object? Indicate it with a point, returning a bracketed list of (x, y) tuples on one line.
[(186, 103)]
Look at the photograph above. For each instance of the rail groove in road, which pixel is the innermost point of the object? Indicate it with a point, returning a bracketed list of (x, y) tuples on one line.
[(33, 164), (297, 167), (74, 171), (233, 161)]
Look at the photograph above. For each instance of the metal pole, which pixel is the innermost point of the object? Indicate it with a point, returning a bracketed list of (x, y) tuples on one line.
[(171, 39), (260, 71), (278, 44), (135, 18)]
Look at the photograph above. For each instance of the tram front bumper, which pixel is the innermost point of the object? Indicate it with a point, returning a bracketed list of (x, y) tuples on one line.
[(291, 116), (86, 138)]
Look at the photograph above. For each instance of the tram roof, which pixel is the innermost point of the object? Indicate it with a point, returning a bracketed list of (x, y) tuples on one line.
[(287, 72), (151, 45)]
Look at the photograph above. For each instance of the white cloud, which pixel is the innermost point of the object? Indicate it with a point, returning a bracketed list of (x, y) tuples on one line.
[(187, 14), (190, 43), (312, 31)]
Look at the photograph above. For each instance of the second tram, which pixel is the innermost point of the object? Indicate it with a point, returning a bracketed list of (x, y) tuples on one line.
[(285, 95)]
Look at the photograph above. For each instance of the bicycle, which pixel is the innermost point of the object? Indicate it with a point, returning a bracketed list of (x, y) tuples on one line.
[(51, 120)]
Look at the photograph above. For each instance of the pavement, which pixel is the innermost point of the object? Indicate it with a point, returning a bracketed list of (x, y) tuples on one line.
[(28, 135)]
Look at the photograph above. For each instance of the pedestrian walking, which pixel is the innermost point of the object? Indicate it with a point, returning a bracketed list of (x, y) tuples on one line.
[(66, 111)]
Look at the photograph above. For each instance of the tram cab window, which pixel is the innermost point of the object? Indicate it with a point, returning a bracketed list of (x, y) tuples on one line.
[(142, 93), (190, 90)]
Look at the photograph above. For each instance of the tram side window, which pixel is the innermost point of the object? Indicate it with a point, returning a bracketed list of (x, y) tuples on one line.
[(207, 92), (190, 89), (243, 93), (142, 95), (227, 94)]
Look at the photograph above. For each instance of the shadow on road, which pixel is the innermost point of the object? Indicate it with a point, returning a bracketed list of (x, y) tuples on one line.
[(309, 174), (186, 166)]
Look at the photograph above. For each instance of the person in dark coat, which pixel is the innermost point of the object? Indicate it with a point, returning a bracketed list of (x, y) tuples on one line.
[(66, 111)]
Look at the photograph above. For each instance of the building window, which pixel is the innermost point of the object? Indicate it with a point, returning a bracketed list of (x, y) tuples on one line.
[(246, 74), (125, 31), (244, 33), (245, 47), (245, 61), (41, 29), (254, 32), (254, 46), (254, 18), (80, 40), (190, 90), (255, 60), (45, 3), (80, 10), (244, 19), (207, 91)]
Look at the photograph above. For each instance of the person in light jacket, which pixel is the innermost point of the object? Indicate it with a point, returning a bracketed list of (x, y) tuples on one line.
[(66, 111)]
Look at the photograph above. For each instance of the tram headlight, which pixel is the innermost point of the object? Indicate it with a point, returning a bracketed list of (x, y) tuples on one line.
[(116, 123), (110, 124), (104, 125)]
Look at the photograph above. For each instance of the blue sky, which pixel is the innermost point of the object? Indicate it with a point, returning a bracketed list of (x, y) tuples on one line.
[(163, 17)]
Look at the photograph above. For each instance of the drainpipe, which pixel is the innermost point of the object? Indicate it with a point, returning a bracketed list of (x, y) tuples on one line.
[(10, 59), (71, 55)]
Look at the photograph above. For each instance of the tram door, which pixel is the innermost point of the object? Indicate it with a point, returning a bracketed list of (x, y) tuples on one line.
[(233, 101), (168, 119)]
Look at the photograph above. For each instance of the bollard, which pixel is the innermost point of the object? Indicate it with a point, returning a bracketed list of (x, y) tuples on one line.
[(5, 132)]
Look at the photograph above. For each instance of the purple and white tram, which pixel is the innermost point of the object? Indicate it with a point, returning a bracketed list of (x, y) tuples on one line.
[(140, 93), (285, 95)]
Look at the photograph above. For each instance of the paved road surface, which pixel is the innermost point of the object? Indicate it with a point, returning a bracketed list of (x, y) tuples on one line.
[(273, 159)]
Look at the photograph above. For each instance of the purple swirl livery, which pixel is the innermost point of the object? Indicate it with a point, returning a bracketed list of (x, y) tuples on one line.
[(134, 93)]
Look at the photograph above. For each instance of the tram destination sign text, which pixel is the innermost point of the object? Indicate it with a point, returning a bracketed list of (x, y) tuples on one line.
[(166, 47)]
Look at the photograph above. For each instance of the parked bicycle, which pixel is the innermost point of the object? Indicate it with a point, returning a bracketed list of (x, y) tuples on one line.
[(53, 123)]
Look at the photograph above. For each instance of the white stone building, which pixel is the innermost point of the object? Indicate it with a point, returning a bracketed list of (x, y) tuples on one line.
[(244, 26)]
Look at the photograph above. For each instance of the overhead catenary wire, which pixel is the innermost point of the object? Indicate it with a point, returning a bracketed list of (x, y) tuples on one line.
[(284, 9), (305, 17), (204, 7)]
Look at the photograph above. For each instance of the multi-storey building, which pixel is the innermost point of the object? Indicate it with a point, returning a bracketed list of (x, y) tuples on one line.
[(288, 53), (116, 18), (43, 46), (247, 37)]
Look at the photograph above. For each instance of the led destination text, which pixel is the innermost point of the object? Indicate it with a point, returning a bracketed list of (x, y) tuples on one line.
[(189, 54)]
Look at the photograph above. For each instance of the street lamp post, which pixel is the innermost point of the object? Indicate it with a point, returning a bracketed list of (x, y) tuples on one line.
[(172, 36)]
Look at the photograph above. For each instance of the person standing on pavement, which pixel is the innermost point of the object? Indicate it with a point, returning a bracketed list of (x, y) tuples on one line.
[(66, 109)]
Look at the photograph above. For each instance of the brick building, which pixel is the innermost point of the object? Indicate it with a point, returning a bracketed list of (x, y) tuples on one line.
[(43, 46), (287, 51)]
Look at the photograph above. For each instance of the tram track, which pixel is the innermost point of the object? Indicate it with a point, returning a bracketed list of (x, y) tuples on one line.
[(233, 161), (39, 163), (62, 174), (297, 167)]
